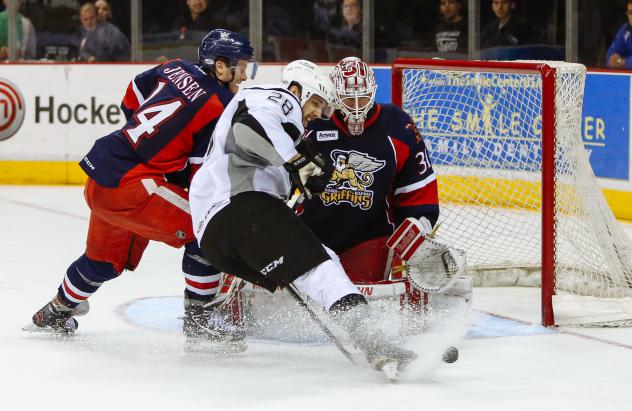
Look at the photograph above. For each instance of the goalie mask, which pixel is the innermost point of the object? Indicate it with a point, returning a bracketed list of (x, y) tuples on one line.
[(355, 91), (312, 81)]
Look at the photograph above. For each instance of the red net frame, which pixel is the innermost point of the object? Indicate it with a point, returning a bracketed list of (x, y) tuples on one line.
[(547, 74)]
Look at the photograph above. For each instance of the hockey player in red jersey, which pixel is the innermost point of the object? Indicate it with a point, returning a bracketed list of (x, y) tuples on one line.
[(383, 180), (137, 180), (383, 175)]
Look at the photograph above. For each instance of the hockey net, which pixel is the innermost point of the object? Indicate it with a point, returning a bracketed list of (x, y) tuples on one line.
[(516, 188)]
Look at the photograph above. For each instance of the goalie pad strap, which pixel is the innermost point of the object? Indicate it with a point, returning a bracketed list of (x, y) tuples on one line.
[(406, 239)]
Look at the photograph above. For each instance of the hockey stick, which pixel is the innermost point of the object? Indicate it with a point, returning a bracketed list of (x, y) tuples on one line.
[(294, 293), (294, 202)]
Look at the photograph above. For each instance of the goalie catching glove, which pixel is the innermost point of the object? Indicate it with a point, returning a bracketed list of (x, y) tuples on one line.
[(432, 267), (310, 172)]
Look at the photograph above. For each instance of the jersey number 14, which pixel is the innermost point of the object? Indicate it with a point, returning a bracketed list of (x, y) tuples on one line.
[(150, 118)]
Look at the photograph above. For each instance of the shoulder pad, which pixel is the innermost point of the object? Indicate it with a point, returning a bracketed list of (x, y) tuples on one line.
[(321, 124), (400, 124)]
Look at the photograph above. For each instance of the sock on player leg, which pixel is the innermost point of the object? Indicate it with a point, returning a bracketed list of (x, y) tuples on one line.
[(83, 278)]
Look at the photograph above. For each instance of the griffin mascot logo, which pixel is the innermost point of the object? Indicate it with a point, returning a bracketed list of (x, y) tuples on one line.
[(351, 179)]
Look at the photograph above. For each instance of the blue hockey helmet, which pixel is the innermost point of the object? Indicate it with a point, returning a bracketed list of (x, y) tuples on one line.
[(227, 44)]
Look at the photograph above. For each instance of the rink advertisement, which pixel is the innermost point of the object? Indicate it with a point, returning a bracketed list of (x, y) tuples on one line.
[(51, 114), (606, 124), (65, 109), (484, 124), (11, 109)]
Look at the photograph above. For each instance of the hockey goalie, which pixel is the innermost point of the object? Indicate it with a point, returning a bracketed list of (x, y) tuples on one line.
[(377, 212)]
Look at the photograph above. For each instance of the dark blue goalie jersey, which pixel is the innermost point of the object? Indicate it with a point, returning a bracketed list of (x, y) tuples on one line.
[(382, 177)]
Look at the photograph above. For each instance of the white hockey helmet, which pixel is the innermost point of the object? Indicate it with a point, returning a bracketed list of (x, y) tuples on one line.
[(312, 81), (354, 79)]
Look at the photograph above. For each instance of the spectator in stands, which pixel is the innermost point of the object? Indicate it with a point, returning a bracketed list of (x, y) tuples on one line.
[(349, 32), (198, 18), (451, 32), (506, 29), (104, 10), (100, 40), (26, 34), (325, 14), (388, 26), (619, 54)]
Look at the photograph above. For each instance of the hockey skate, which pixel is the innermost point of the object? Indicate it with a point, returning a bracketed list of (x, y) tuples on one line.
[(208, 329), (381, 354), (386, 357), (57, 317)]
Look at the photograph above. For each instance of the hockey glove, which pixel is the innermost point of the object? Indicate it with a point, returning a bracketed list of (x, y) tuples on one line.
[(180, 178), (309, 171), (432, 266)]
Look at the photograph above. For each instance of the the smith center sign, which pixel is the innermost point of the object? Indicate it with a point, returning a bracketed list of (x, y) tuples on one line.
[(55, 112), (493, 120)]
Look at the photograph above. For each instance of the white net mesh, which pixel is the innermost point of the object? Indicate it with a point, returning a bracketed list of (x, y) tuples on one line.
[(483, 128)]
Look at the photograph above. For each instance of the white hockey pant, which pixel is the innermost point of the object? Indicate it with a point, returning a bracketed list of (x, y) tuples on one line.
[(327, 282)]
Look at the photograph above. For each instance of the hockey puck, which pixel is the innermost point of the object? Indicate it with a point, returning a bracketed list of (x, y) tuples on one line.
[(450, 355)]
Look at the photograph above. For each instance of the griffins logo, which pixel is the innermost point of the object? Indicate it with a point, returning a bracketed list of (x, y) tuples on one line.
[(11, 109), (351, 179)]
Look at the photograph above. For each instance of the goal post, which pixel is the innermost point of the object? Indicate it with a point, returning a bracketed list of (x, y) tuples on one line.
[(516, 188)]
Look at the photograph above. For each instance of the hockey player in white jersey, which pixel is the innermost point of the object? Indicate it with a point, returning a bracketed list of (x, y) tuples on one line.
[(238, 205)]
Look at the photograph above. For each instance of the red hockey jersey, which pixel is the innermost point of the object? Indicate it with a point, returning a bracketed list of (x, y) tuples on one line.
[(171, 112)]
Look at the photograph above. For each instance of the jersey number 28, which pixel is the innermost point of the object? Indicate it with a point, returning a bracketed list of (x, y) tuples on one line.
[(285, 104)]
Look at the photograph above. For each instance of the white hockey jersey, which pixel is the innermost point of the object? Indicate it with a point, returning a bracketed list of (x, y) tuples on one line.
[(255, 135)]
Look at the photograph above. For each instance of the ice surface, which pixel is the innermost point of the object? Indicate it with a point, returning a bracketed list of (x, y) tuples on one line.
[(115, 364)]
